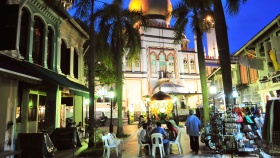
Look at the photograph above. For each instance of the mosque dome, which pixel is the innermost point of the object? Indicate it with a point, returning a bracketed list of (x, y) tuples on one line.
[(153, 9)]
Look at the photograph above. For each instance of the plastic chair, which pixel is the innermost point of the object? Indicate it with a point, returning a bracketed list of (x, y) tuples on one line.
[(114, 137), (157, 141), (140, 144), (109, 143), (177, 142)]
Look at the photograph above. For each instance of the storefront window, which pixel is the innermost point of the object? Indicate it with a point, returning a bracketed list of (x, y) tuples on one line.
[(32, 107)]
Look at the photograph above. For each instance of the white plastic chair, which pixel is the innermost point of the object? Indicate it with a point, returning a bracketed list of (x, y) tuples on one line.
[(177, 142), (119, 141), (140, 144), (157, 141), (109, 143)]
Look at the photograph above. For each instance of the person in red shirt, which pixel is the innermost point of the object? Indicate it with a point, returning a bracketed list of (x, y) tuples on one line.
[(171, 131)]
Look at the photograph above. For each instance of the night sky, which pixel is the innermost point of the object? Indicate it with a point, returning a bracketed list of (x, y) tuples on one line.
[(253, 16)]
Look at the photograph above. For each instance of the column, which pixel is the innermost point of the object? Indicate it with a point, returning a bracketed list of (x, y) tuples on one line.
[(24, 109), (45, 47)]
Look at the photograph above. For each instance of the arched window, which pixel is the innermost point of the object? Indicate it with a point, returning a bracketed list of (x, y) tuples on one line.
[(162, 62), (24, 29), (192, 63), (128, 64), (170, 67), (65, 59), (38, 39), (186, 65), (50, 48), (153, 64)]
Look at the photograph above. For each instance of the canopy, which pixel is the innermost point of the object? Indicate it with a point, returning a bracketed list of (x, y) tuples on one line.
[(169, 88)]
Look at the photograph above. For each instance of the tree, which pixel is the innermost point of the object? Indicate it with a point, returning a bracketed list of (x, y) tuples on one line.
[(196, 11), (120, 28), (232, 7)]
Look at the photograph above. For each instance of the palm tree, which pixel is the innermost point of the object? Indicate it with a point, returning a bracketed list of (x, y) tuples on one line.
[(232, 7), (117, 26), (196, 11)]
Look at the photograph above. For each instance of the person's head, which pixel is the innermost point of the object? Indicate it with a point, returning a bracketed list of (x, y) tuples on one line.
[(145, 125), (169, 125), (158, 124), (191, 112)]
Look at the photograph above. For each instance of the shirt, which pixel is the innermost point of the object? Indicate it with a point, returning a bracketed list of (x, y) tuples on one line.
[(193, 125), (160, 130), (143, 135)]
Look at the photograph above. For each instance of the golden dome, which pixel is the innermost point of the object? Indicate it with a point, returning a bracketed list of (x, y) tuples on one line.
[(154, 9)]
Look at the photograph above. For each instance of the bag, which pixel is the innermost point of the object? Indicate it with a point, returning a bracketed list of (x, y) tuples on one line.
[(239, 117), (247, 128), (249, 120)]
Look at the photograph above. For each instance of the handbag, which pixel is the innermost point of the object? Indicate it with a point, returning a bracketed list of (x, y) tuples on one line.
[(247, 128)]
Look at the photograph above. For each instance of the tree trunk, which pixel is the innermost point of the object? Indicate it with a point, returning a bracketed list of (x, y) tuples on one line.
[(202, 73), (119, 85), (223, 49), (91, 83)]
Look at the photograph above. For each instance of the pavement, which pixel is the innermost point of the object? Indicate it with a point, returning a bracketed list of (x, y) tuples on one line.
[(131, 147)]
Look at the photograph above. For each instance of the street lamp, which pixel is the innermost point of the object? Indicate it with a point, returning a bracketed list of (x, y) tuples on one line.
[(213, 91), (148, 107), (175, 104), (111, 96)]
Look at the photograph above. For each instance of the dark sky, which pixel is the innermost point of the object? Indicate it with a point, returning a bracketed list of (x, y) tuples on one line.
[(254, 15)]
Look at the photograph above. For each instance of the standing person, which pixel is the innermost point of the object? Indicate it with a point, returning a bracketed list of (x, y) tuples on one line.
[(193, 126), (159, 129)]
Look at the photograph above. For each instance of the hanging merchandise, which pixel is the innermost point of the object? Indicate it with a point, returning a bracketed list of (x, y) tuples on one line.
[(273, 59)]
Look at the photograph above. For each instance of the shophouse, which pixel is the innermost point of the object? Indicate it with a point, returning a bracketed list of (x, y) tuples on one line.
[(41, 68), (256, 74)]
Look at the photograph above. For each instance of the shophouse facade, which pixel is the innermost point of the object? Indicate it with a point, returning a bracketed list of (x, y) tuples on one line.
[(255, 75), (41, 70)]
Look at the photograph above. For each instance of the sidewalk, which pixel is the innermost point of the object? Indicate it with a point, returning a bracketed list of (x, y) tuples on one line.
[(131, 147)]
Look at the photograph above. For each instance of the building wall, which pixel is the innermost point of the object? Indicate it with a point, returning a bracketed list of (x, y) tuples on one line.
[(8, 103)]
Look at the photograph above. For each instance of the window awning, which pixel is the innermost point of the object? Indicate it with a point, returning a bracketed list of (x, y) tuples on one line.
[(55, 78), (11, 68)]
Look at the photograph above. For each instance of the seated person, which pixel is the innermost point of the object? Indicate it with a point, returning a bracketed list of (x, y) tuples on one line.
[(172, 131), (103, 119), (159, 129), (174, 124), (144, 135)]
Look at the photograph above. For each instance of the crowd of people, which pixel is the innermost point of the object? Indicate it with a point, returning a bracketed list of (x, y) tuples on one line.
[(170, 133)]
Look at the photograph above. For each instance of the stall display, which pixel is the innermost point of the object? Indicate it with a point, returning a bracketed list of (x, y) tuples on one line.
[(271, 128), (217, 136)]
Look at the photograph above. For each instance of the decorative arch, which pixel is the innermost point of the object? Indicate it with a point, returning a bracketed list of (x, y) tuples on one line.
[(163, 54)]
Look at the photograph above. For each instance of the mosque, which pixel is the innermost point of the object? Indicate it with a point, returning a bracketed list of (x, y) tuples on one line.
[(162, 66)]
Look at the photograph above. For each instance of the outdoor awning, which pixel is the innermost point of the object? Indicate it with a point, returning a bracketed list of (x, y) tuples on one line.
[(169, 87), (172, 88), (55, 78), (11, 68)]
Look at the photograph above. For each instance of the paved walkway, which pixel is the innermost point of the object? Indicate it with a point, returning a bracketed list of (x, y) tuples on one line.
[(131, 147)]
